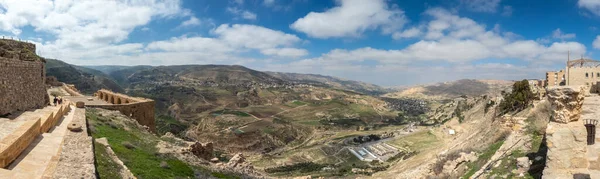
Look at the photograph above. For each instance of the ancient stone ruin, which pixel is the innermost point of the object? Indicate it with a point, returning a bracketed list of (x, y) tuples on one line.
[(566, 137), (140, 109), (567, 103), (22, 77)]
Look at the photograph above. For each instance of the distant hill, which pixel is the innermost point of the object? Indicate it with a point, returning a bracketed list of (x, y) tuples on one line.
[(86, 80), (468, 87), (333, 82), (125, 75)]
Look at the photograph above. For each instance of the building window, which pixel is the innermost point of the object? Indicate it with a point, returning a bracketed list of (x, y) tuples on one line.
[(586, 75)]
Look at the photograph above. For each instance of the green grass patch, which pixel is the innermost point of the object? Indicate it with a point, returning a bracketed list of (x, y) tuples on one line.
[(106, 167), (223, 175), (483, 158)]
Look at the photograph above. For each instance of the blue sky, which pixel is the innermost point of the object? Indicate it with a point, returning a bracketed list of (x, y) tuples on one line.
[(385, 42)]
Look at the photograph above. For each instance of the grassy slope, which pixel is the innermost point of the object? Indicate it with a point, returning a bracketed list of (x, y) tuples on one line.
[(142, 160)]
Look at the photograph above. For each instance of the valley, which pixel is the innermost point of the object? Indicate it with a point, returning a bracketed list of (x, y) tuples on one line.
[(287, 128)]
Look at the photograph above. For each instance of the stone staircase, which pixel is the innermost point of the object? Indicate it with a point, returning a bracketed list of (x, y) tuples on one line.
[(40, 158)]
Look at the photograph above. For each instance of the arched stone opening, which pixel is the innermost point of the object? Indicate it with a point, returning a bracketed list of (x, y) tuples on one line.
[(118, 101)]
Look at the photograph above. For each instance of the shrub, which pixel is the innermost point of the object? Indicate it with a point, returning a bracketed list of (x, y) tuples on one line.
[(517, 100)]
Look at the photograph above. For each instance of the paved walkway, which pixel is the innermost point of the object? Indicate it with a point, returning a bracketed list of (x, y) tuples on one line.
[(86, 100), (42, 153)]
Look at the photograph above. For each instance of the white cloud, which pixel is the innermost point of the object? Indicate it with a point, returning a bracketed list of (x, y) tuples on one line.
[(269, 2), (185, 44), (596, 43), (558, 34), (451, 43), (409, 33), (489, 6), (230, 40), (591, 5), (193, 21), (351, 18), (285, 52), (239, 2), (242, 13), (85, 24), (255, 37), (507, 11)]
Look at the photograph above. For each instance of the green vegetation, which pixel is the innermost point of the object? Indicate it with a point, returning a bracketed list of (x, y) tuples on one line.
[(489, 105), (226, 111), (223, 175), (483, 158), (106, 167), (517, 100), (143, 160), (304, 167), (166, 124), (343, 122)]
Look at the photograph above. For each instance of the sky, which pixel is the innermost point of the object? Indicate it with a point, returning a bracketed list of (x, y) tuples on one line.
[(384, 42)]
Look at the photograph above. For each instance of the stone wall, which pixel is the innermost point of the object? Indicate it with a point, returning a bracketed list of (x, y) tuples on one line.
[(22, 77), (140, 109), (71, 90)]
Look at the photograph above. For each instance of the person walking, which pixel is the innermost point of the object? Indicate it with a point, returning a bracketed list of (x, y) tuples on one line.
[(55, 100)]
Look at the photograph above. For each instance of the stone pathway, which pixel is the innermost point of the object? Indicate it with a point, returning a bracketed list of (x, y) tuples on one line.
[(77, 154), (41, 154)]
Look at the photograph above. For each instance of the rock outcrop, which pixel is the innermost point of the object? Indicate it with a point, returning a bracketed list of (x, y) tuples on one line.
[(202, 151), (566, 103)]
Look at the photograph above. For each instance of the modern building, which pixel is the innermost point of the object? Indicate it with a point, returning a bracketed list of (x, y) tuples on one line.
[(555, 78), (577, 73)]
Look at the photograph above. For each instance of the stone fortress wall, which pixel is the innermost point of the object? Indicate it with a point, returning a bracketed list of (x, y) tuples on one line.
[(140, 109), (22, 77)]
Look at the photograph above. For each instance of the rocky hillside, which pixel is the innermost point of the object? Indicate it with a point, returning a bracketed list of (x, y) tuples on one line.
[(85, 79)]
